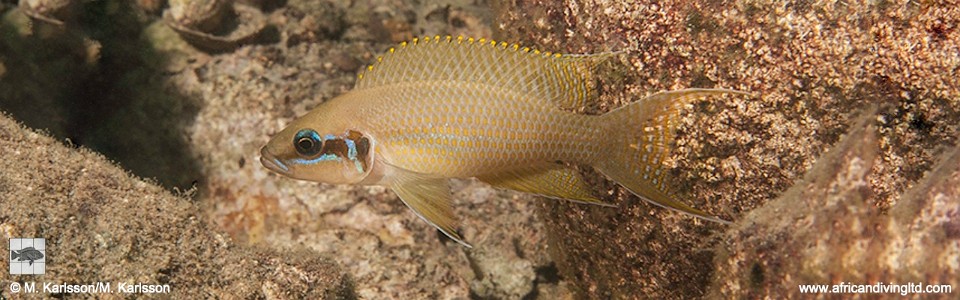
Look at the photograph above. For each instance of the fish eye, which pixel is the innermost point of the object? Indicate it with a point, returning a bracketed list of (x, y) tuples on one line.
[(307, 142)]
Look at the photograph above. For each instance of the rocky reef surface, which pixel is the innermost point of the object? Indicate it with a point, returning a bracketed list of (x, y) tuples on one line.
[(189, 97), (825, 229), (194, 116), (102, 224), (810, 66)]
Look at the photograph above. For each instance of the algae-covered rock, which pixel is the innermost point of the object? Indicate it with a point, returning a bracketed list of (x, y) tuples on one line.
[(103, 225), (152, 102), (807, 65)]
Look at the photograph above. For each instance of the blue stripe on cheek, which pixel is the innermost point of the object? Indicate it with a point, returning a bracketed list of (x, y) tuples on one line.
[(352, 154), (359, 166), (321, 158), (351, 149)]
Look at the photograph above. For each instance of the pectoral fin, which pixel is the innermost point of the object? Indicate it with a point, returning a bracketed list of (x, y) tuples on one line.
[(430, 199), (552, 180)]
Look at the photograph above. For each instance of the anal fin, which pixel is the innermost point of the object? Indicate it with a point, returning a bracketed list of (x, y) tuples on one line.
[(550, 180), (430, 199)]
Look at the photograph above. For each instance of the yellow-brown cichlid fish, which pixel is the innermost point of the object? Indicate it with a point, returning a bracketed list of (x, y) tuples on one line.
[(439, 108)]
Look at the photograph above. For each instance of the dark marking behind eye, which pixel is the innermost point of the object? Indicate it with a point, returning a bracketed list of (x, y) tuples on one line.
[(363, 150), (363, 146), (336, 147), (354, 135)]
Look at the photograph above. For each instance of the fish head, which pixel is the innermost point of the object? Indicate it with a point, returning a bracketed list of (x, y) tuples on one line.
[(307, 151)]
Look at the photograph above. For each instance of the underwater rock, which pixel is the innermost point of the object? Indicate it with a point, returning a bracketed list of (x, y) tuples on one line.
[(807, 65), (824, 230), (103, 225), (325, 21), (55, 12), (201, 15), (215, 25)]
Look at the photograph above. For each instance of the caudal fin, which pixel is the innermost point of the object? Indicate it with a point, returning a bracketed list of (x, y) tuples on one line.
[(640, 135)]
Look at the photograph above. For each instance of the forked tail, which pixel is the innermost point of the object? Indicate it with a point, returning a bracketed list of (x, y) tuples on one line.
[(640, 135)]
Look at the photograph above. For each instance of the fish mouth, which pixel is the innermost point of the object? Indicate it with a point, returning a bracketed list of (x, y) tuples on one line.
[(271, 162)]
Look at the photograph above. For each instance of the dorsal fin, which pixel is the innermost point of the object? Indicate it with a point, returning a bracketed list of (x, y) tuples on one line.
[(566, 80)]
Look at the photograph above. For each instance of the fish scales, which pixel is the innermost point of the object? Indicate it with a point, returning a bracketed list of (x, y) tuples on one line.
[(439, 108), (466, 129), (570, 83)]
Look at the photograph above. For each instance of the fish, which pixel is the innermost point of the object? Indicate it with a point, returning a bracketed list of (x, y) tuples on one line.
[(437, 108), (29, 253)]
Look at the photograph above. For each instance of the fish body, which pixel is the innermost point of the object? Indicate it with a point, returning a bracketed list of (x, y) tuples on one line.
[(457, 130), (31, 254), (441, 108)]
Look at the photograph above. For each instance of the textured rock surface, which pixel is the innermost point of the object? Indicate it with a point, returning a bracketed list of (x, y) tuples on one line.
[(807, 63), (127, 86), (826, 228), (104, 225)]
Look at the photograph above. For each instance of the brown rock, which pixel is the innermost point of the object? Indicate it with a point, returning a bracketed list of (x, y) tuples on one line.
[(807, 65), (103, 225), (825, 229)]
